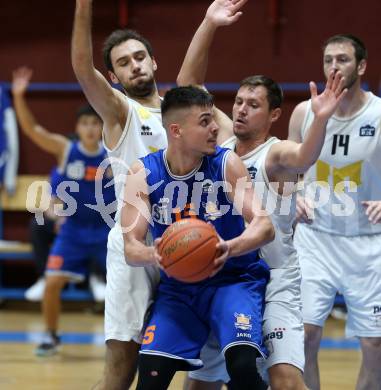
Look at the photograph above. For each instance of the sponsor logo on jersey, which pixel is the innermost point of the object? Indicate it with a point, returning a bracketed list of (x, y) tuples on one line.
[(76, 170), (207, 186), (146, 130), (247, 335), (242, 321), (276, 334), (377, 309), (161, 212), (211, 211), (367, 131), (252, 172)]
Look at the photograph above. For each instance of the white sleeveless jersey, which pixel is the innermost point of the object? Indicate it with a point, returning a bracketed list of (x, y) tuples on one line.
[(348, 171), (280, 253), (142, 134)]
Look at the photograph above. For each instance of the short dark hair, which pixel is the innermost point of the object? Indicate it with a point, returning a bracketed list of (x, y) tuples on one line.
[(274, 91), (183, 97), (116, 38), (361, 52), (87, 110)]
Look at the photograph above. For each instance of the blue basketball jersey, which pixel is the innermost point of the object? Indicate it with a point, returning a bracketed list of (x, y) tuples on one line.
[(81, 167), (230, 304), (199, 194), (55, 179)]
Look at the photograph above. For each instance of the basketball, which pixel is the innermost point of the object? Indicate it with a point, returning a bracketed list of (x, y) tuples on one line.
[(188, 250)]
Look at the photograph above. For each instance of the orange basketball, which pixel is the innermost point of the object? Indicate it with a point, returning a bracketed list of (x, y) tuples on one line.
[(188, 250)]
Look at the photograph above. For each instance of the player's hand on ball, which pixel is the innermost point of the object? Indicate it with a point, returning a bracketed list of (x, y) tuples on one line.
[(156, 258), (373, 210), (223, 250)]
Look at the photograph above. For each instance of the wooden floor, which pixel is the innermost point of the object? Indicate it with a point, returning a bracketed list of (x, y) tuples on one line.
[(80, 363)]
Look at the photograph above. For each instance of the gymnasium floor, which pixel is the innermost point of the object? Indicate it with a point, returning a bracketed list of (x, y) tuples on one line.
[(79, 365)]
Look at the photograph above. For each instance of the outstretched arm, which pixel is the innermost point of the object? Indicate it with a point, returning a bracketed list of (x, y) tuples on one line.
[(299, 157), (135, 218), (110, 103), (195, 64), (50, 142)]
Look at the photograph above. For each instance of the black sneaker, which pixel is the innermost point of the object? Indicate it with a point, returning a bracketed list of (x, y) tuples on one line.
[(49, 346)]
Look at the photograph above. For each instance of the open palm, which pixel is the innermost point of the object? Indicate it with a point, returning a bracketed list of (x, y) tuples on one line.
[(325, 104), (21, 79), (225, 12)]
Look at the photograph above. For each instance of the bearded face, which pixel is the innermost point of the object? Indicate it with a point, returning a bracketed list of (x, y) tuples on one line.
[(133, 68), (341, 57), (142, 88)]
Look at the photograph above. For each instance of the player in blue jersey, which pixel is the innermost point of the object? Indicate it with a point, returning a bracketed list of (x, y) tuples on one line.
[(191, 177), (83, 236), (42, 237)]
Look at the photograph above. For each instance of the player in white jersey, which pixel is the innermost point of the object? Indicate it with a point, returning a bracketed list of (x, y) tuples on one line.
[(273, 165), (132, 129), (340, 246)]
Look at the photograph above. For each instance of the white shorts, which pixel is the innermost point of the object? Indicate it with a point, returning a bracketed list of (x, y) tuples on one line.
[(129, 292), (348, 265), (214, 368), (283, 332), (282, 329)]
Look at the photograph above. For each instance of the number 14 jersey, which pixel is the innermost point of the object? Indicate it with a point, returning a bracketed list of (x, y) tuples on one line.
[(348, 171)]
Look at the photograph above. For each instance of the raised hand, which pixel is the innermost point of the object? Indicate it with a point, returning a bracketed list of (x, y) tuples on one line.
[(224, 12), (20, 80), (325, 104)]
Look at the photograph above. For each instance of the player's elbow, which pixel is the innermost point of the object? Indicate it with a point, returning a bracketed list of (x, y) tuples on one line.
[(130, 260), (268, 230), (302, 163), (184, 80), (130, 254), (303, 168)]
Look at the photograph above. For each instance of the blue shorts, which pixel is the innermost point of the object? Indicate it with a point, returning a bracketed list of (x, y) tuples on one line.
[(75, 247), (182, 318)]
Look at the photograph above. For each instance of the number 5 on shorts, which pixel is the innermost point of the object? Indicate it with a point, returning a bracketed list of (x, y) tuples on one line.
[(149, 334)]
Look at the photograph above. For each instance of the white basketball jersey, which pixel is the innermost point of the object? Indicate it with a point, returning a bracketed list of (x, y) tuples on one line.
[(348, 171), (143, 134), (279, 253)]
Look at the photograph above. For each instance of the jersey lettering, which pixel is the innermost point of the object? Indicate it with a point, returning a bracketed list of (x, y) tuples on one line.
[(149, 334), (188, 212), (341, 141)]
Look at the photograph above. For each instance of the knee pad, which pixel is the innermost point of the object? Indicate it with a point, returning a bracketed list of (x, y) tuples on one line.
[(156, 372), (242, 368)]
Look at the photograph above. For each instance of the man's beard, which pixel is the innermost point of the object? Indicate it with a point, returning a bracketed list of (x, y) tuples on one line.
[(351, 80), (142, 89)]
